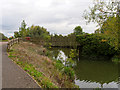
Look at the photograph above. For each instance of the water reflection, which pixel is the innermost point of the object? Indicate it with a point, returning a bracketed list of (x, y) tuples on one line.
[(91, 74), (99, 72)]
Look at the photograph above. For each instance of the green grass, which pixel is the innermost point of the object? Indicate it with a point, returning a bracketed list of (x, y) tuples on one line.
[(11, 54), (38, 76)]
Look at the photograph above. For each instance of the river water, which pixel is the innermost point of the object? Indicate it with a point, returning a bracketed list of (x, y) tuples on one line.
[(91, 73)]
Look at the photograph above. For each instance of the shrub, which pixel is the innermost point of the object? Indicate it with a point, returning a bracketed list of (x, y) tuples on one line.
[(95, 45)]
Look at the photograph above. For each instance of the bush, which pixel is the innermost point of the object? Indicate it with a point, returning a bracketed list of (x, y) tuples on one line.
[(65, 70), (70, 72), (95, 45)]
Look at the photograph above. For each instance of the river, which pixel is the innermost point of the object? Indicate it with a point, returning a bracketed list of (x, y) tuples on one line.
[(91, 73)]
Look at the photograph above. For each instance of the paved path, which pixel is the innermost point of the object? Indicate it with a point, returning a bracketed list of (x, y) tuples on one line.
[(12, 75)]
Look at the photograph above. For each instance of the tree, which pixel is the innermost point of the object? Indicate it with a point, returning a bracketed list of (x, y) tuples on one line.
[(95, 45), (107, 15), (22, 30), (38, 32), (101, 11), (16, 34), (78, 30)]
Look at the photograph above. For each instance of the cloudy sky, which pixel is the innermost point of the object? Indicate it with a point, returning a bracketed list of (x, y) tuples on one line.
[(57, 16)]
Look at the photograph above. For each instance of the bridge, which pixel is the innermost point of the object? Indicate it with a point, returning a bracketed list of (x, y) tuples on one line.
[(64, 42)]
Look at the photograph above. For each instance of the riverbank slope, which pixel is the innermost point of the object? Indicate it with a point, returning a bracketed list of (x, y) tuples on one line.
[(32, 58)]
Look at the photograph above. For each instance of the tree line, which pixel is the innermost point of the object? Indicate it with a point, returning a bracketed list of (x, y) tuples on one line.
[(100, 43), (105, 40)]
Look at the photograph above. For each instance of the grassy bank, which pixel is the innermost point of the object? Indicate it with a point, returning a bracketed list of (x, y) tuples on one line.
[(47, 72)]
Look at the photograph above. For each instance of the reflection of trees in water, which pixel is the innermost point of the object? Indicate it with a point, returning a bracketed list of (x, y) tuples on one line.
[(97, 71)]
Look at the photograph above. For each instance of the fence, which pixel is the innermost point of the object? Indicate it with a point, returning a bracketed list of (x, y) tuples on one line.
[(12, 42)]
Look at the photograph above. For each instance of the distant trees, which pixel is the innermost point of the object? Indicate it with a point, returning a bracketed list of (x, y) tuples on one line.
[(3, 37)]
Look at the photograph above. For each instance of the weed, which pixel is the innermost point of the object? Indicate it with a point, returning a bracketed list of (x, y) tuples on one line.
[(10, 56), (19, 62)]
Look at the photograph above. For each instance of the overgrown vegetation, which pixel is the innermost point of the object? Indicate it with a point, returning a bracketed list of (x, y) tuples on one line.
[(107, 16), (96, 45), (47, 72)]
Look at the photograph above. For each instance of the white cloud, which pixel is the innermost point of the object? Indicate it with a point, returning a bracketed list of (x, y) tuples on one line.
[(59, 16)]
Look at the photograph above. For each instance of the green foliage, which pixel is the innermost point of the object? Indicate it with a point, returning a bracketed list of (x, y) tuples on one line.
[(19, 62), (22, 30), (70, 61), (59, 65), (11, 54), (37, 32), (100, 11), (78, 30), (45, 82), (95, 45), (109, 30), (70, 72), (39, 35), (16, 34), (31, 70), (65, 69), (105, 14)]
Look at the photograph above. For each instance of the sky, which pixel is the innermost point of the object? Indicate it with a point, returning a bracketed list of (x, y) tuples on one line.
[(57, 16)]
